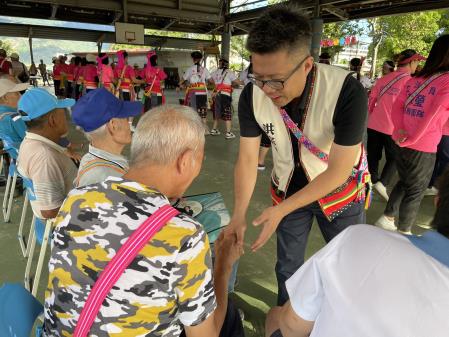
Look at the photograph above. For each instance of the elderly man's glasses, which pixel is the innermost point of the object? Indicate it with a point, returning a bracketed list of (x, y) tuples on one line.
[(275, 84)]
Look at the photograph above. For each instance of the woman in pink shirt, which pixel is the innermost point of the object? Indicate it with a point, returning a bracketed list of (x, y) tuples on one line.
[(90, 76), (380, 127), (125, 76), (419, 116), (153, 76), (105, 72)]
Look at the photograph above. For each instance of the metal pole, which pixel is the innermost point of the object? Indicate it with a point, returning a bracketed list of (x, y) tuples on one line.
[(30, 42), (317, 33)]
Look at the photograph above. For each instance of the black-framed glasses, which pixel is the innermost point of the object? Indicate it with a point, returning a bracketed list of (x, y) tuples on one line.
[(275, 84)]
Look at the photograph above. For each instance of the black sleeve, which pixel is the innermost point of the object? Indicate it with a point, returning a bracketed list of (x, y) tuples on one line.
[(351, 113), (248, 123)]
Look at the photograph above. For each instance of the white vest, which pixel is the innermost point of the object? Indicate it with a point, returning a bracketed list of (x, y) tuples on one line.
[(318, 125)]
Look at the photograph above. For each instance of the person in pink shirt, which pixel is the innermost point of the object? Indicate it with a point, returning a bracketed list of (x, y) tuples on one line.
[(57, 76), (70, 75), (125, 76), (90, 76), (153, 76), (105, 73), (380, 127), (419, 115), (77, 80), (442, 161)]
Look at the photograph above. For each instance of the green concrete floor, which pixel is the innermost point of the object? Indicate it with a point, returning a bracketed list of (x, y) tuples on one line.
[(256, 289)]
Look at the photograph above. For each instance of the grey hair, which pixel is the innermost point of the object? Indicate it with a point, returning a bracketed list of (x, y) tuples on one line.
[(164, 133), (97, 133)]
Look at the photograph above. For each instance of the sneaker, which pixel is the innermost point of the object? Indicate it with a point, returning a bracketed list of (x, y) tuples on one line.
[(381, 189), (409, 232), (431, 191), (206, 132), (425, 225), (385, 223), (229, 135), (215, 132), (261, 167)]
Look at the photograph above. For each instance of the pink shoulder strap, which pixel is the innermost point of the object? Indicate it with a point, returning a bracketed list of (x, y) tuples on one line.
[(118, 264)]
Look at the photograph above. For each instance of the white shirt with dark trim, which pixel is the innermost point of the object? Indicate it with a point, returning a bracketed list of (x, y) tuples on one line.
[(50, 169), (368, 282)]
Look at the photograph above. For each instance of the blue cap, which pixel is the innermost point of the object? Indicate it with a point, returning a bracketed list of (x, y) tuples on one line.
[(99, 106), (36, 102)]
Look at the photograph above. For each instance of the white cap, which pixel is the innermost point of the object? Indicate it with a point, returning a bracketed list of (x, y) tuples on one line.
[(91, 58), (7, 86)]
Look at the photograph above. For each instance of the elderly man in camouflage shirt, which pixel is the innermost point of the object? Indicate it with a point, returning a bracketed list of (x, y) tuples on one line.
[(170, 286)]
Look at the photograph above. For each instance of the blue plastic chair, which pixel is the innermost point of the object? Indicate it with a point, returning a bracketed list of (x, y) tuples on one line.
[(11, 181), (40, 232), (18, 310)]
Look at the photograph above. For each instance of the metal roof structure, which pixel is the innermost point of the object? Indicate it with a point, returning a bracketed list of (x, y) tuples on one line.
[(338, 10), (61, 33), (200, 16)]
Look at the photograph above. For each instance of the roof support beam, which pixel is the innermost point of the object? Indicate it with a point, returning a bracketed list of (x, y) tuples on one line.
[(339, 13), (125, 10), (54, 9)]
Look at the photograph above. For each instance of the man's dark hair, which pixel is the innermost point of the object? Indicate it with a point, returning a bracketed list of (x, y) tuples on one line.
[(283, 27), (441, 218), (2, 53), (37, 123), (438, 59)]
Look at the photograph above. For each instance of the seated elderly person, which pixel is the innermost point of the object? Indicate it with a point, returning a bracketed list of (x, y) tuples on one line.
[(170, 285), (373, 283), (106, 122), (41, 159), (12, 126)]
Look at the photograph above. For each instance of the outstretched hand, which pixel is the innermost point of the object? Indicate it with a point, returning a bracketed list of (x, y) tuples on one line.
[(269, 219)]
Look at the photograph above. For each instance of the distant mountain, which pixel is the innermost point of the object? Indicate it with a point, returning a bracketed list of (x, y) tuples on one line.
[(45, 49)]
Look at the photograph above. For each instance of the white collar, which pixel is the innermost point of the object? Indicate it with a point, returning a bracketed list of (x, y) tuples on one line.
[(34, 136)]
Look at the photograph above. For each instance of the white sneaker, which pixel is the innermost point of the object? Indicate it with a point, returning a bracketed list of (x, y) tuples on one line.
[(431, 191), (229, 135), (381, 189), (405, 232), (261, 167), (206, 132), (385, 223), (215, 132)]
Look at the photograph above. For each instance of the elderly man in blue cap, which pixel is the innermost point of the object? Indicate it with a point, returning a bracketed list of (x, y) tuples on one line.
[(41, 159), (106, 121)]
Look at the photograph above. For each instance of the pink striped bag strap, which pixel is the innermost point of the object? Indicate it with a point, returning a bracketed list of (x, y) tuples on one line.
[(118, 264)]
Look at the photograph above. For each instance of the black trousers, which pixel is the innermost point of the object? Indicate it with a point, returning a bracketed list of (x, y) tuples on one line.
[(293, 232), (377, 143), (232, 326), (415, 170)]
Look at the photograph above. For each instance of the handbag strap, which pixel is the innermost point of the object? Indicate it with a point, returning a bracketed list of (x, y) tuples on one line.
[(422, 87), (115, 268), (302, 138), (391, 83)]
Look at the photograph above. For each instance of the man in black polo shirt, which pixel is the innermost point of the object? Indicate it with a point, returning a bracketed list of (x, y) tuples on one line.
[(329, 107)]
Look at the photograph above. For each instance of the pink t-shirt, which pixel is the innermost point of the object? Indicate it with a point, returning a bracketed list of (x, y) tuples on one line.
[(107, 74), (154, 74), (128, 75), (425, 117), (89, 74), (379, 108)]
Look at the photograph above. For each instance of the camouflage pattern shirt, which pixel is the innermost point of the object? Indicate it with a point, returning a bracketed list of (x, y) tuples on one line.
[(168, 285)]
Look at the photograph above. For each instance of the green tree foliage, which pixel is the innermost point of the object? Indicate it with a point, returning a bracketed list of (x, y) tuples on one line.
[(6, 46), (398, 32)]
